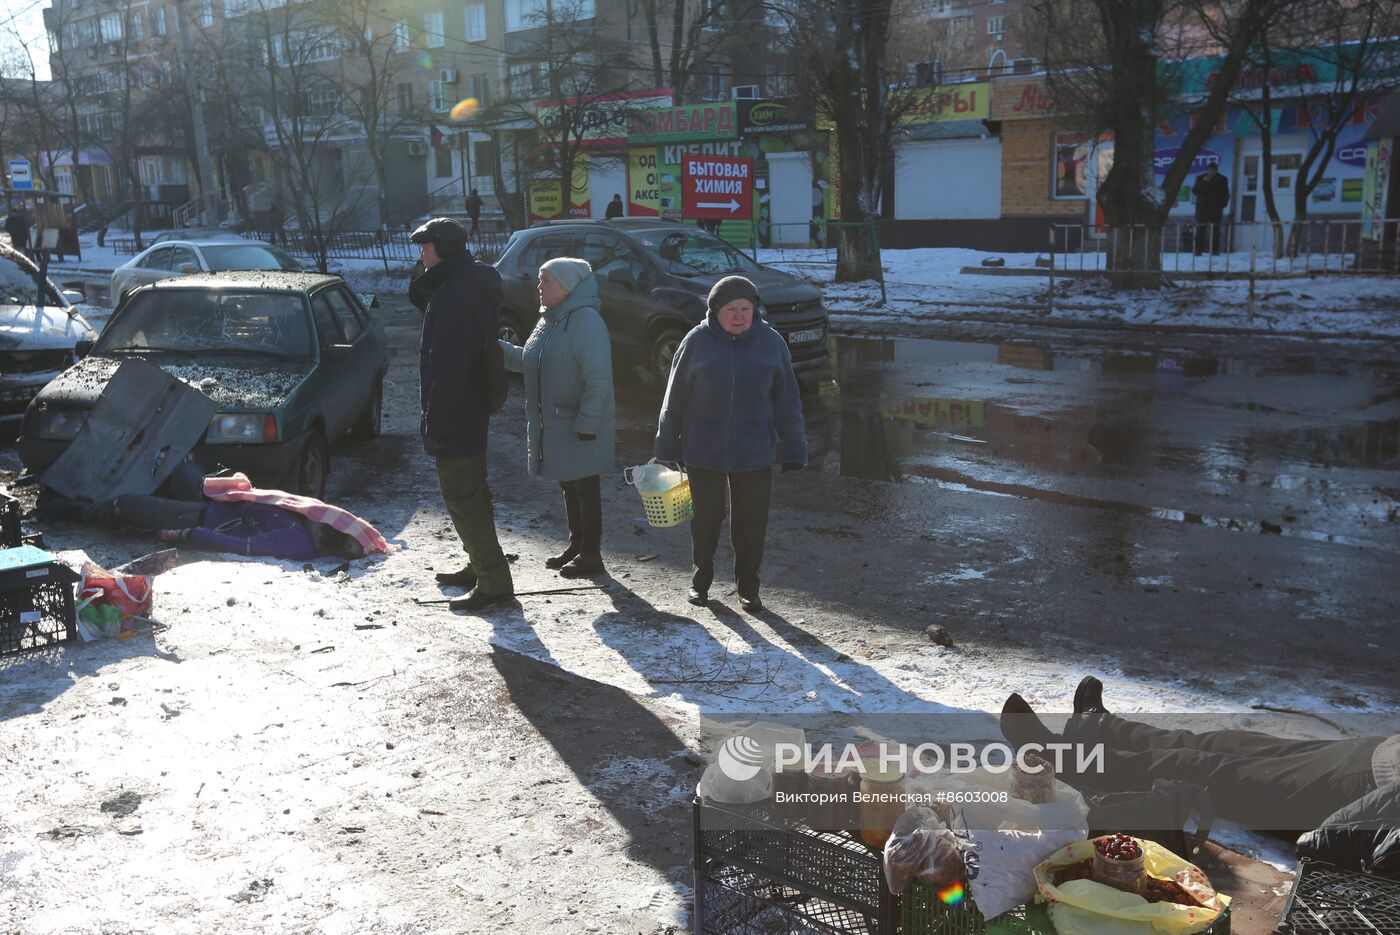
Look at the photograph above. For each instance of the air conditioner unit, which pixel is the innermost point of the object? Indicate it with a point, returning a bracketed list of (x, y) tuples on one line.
[(744, 92), (448, 76), (418, 148)]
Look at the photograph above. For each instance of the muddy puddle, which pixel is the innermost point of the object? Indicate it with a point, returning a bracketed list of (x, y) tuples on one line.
[(1289, 445)]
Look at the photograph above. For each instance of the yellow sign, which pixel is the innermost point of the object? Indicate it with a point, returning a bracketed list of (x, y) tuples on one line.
[(643, 183), (946, 102), (944, 413), (545, 198)]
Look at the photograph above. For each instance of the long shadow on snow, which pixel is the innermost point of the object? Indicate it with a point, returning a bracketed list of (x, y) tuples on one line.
[(598, 731), (31, 679)]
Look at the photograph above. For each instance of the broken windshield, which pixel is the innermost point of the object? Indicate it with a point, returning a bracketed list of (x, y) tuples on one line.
[(189, 321), (691, 252)]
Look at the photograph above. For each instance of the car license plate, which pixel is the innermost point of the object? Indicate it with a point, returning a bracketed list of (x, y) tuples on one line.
[(802, 337)]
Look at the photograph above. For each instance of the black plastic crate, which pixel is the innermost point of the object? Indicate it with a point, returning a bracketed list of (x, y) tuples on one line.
[(1328, 900), (750, 863), (10, 532), (36, 600)]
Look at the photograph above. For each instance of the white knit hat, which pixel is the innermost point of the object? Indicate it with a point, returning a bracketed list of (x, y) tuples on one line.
[(568, 271)]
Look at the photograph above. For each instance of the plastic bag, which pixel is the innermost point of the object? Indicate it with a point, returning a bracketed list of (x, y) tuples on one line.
[(1083, 907), (921, 848), (110, 602)]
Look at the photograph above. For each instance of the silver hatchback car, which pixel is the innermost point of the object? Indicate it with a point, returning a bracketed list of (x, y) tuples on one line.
[(39, 329)]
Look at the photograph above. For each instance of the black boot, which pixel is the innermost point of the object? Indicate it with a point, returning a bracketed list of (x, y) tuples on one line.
[(563, 558), (463, 578), (589, 559), (1020, 726), (1088, 697)]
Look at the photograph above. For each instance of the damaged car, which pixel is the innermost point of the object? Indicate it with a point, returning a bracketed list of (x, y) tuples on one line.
[(39, 330), (293, 361)]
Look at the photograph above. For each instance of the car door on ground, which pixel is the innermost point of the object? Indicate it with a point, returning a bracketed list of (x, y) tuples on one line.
[(621, 275)]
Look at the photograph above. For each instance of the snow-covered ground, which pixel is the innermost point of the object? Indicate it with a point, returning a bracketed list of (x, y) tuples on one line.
[(930, 285)]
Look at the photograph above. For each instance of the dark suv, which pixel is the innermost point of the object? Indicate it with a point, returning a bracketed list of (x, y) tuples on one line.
[(653, 278)]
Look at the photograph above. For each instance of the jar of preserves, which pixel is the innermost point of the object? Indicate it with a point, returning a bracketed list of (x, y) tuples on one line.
[(882, 801)]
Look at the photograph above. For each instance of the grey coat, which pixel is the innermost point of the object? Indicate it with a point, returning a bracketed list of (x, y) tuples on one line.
[(567, 363)]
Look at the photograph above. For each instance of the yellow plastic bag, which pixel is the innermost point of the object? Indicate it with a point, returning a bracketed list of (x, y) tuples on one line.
[(1083, 907)]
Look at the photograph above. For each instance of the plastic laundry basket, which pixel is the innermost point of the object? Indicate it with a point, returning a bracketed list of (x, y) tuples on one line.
[(665, 494)]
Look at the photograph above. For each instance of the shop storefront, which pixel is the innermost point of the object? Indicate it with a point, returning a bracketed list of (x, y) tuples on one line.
[(792, 172)]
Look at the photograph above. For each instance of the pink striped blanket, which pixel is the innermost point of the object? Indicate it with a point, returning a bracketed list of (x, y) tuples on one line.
[(237, 487)]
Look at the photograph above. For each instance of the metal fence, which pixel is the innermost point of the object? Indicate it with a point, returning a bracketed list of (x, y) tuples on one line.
[(1312, 247), (392, 248)]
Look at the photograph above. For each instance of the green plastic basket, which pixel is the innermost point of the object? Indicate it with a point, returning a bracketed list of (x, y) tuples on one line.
[(923, 913)]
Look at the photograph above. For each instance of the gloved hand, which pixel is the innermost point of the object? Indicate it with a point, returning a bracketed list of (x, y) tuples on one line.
[(585, 437), (791, 467)]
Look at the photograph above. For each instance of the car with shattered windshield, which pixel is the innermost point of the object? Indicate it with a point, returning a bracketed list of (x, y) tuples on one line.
[(39, 330), (293, 361), (653, 278)]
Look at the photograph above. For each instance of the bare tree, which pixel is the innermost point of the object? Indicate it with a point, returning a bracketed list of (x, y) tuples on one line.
[(298, 98), (582, 73), (1336, 55), (686, 38), (838, 54), (1118, 63)]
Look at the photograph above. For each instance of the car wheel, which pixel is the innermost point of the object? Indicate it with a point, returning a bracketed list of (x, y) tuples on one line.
[(368, 425), (510, 330), (663, 353), (313, 464)]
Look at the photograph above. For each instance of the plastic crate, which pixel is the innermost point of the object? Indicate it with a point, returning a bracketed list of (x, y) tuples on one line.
[(36, 600), (670, 507), (1328, 900), (10, 532), (922, 913), (751, 864)]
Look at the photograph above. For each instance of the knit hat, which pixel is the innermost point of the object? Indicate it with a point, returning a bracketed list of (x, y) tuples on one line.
[(567, 271), (730, 288)]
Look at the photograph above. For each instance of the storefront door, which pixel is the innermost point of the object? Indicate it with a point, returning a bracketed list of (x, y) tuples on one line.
[(1252, 228), (790, 197)]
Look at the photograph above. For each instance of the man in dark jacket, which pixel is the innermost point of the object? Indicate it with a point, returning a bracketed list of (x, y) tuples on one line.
[(461, 317), (614, 208), (1212, 196), (17, 226)]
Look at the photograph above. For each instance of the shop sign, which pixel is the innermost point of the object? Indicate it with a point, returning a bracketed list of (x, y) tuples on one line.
[(688, 122), (599, 123), (716, 186), (771, 117), (949, 102)]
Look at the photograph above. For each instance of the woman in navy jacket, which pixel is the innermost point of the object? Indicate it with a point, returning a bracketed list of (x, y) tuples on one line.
[(732, 400)]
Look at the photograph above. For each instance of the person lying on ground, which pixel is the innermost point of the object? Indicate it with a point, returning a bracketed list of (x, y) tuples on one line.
[(233, 516), (1346, 790)]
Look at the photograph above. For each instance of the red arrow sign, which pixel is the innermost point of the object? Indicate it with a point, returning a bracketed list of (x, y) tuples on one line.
[(716, 187)]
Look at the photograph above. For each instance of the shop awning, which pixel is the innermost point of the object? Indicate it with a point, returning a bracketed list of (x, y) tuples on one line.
[(948, 130)]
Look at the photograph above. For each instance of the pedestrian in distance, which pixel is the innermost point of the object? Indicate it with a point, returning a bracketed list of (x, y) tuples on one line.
[(614, 208), (570, 411), (731, 398), (459, 323), (1211, 192), (17, 226), (474, 209)]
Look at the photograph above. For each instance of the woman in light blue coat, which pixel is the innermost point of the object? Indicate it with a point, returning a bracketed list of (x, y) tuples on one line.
[(569, 407)]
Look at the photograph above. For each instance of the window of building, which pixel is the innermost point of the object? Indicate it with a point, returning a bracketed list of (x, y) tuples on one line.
[(206, 13), (484, 158), (524, 14), (1023, 66), (481, 89), (476, 22), (995, 25), (403, 98), (436, 102), (442, 160), (997, 61), (1071, 165), (433, 35), (401, 38), (320, 102), (111, 24), (928, 74), (318, 47), (135, 26), (524, 79), (160, 21)]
